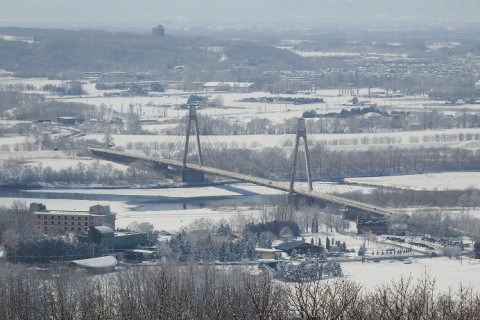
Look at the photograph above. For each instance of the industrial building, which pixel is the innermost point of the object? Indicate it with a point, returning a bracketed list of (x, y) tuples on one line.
[(375, 226), (62, 221), (106, 237)]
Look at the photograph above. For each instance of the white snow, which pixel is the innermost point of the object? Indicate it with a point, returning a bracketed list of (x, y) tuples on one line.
[(99, 262), (427, 181), (448, 274)]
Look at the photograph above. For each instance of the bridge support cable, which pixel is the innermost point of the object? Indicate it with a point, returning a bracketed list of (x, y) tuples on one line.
[(322, 160), (301, 134)]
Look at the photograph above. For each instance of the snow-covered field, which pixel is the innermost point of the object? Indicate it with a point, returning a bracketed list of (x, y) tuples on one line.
[(448, 273), (428, 181)]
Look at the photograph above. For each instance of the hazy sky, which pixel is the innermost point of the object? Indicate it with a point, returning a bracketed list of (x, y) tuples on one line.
[(146, 13)]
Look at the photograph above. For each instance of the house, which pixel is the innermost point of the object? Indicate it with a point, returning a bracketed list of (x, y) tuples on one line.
[(268, 254), (300, 247), (273, 269), (375, 226), (58, 221), (69, 121)]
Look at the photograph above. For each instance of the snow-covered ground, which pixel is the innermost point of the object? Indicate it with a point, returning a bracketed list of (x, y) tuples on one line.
[(448, 273), (428, 181)]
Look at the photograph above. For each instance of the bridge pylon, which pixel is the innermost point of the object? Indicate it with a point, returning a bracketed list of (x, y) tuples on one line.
[(187, 174), (301, 134)]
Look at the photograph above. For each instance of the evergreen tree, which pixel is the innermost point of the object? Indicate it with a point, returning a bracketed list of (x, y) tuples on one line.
[(476, 249), (233, 252), (361, 251), (185, 250), (198, 252), (327, 244), (332, 269), (210, 252), (223, 254)]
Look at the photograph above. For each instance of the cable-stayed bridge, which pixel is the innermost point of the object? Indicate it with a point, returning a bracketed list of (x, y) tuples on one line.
[(195, 172)]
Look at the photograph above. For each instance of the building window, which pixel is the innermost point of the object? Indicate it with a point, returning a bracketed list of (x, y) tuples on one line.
[(59, 222), (85, 223), (73, 228), (73, 223)]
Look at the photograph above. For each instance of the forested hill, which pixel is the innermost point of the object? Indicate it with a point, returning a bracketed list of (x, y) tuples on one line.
[(48, 52)]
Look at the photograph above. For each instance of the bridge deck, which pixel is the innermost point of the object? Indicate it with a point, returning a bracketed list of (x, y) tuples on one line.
[(244, 178)]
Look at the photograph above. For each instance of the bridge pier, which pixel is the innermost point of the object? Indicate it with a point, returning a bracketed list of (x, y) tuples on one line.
[(293, 200), (192, 176), (350, 213)]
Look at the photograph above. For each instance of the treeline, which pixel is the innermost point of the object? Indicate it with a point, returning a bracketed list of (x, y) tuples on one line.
[(21, 106), (276, 227), (47, 250), (276, 162), (294, 100), (347, 121), (169, 291), (389, 197), (11, 100), (15, 174), (393, 160)]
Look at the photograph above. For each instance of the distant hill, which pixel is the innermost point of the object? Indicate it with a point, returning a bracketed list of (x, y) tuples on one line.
[(49, 52)]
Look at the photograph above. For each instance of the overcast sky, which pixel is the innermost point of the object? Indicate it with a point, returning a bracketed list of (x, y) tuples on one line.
[(147, 13)]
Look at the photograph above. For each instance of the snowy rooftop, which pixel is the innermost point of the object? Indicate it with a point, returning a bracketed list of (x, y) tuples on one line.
[(98, 263)]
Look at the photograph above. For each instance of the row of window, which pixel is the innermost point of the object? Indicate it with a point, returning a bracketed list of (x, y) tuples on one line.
[(65, 223), (46, 228), (39, 216)]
